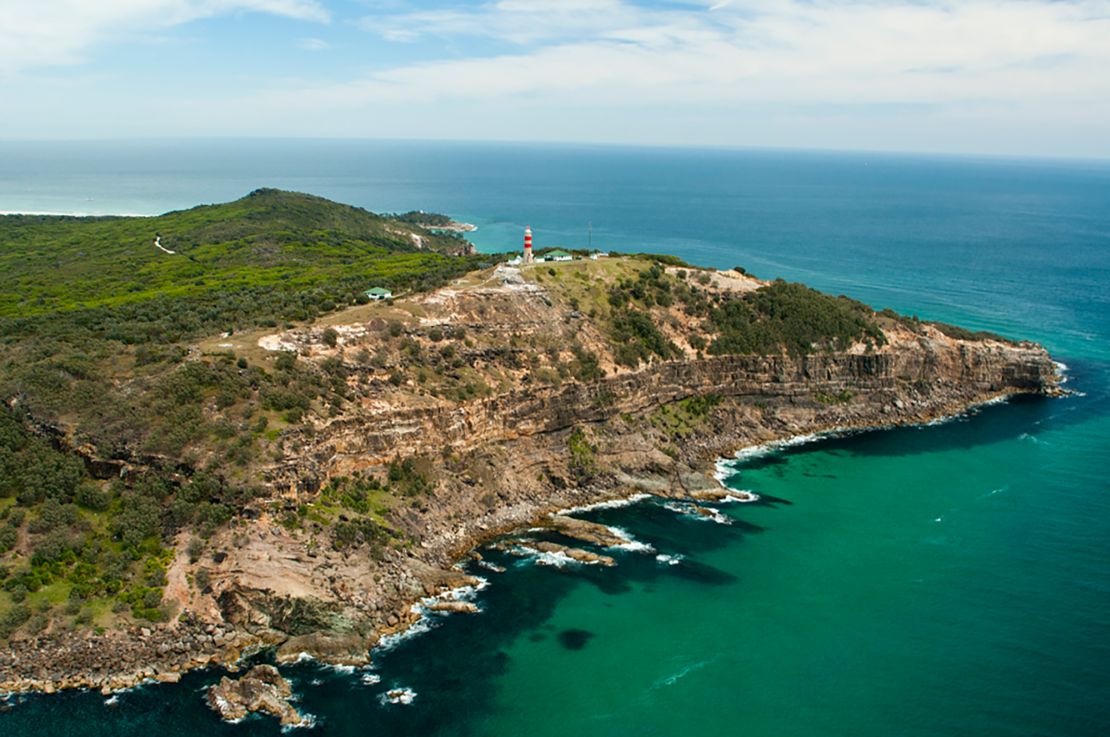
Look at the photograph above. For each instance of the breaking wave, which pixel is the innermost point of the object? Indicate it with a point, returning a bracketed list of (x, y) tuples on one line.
[(610, 504), (403, 696), (693, 511), (630, 543)]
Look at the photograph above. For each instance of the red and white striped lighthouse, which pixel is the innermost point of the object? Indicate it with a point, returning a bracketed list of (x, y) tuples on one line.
[(528, 244)]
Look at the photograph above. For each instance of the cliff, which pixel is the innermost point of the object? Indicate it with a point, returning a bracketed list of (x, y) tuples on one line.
[(486, 406)]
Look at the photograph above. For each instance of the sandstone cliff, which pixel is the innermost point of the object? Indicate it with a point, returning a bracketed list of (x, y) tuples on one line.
[(530, 442)]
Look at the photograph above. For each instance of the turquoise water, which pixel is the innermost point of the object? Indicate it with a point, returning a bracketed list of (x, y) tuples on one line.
[(952, 579)]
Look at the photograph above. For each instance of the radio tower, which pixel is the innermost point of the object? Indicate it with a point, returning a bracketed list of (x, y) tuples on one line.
[(528, 244)]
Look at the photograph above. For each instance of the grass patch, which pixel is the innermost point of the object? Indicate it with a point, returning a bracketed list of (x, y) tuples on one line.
[(681, 419)]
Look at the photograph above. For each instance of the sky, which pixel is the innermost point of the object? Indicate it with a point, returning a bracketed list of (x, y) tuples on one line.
[(1024, 77)]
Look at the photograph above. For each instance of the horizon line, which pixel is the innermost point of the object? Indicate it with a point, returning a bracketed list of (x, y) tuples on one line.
[(753, 148)]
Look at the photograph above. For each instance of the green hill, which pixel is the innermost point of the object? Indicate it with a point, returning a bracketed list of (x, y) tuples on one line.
[(94, 328), (269, 241)]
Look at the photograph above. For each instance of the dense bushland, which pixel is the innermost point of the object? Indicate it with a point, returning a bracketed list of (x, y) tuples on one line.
[(94, 324)]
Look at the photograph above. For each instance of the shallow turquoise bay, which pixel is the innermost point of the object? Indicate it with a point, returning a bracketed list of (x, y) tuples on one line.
[(943, 580)]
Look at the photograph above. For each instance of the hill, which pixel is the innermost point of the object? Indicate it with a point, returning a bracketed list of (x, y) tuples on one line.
[(233, 431), (265, 242)]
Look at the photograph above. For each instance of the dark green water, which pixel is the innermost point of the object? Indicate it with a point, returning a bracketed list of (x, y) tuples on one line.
[(944, 580)]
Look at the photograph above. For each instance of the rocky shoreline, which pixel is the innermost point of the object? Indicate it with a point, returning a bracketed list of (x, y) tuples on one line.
[(371, 599)]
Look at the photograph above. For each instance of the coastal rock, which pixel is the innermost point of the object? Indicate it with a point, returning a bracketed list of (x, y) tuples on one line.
[(262, 689), (576, 554), (328, 648), (452, 605), (722, 495), (590, 532)]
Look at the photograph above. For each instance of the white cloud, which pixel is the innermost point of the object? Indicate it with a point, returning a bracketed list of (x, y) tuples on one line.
[(792, 52), (52, 32), (514, 21), (986, 75), (314, 44)]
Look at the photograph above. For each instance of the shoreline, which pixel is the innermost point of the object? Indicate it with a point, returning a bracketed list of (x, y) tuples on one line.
[(707, 455), (453, 227), (21, 213)]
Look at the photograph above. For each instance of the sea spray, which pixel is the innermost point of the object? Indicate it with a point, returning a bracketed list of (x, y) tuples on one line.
[(402, 696), (428, 618), (694, 511), (610, 504), (630, 543)]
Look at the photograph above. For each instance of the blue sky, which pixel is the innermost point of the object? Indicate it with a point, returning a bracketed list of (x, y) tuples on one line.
[(980, 76)]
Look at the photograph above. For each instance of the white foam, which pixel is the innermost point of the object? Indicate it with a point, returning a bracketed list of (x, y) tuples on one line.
[(678, 676), (417, 628), (742, 496), (671, 560), (403, 696), (112, 700), (970, 411), (635, 546), (630, 543), (371, 679), (308, 721), (1061, 371), (775, 446), (427, 617), (686, 509), (726, 467), (222, 705), (556, 559), (610, 504), (491, 566)]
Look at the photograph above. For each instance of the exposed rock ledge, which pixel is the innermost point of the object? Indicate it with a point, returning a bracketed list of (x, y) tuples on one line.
[(261, 690), (276, 587)]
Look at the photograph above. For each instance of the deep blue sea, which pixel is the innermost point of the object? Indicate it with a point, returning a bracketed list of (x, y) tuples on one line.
[(943, 580)]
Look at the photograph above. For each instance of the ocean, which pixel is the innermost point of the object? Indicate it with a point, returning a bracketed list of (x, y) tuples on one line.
[(952, 579)]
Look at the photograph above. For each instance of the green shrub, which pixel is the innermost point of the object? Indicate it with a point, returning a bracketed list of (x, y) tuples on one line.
[(637, 339), (582, 454), (8, 538)]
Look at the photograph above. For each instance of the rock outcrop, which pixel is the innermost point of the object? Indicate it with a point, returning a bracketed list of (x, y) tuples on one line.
[(261, 690)]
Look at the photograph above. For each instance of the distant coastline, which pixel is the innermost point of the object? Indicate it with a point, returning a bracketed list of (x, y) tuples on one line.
[(455, 227), (79, 214)]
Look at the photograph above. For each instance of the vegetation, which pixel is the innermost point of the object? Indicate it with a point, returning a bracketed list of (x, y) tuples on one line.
[(94, 324), (103, 368), (583, 462), (423, 219), (682, 418), (792, 316), (80, 547), (779, 316)]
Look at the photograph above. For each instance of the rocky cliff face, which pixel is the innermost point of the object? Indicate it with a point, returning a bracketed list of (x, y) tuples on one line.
[(512, 466), (928, 373), (507, 460)]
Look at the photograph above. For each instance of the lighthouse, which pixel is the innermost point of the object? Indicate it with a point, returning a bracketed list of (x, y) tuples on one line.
[(528, 244)]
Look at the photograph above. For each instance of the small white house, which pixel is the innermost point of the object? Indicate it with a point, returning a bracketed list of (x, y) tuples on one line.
[(378, 293), (598, 254), (557, 255)]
